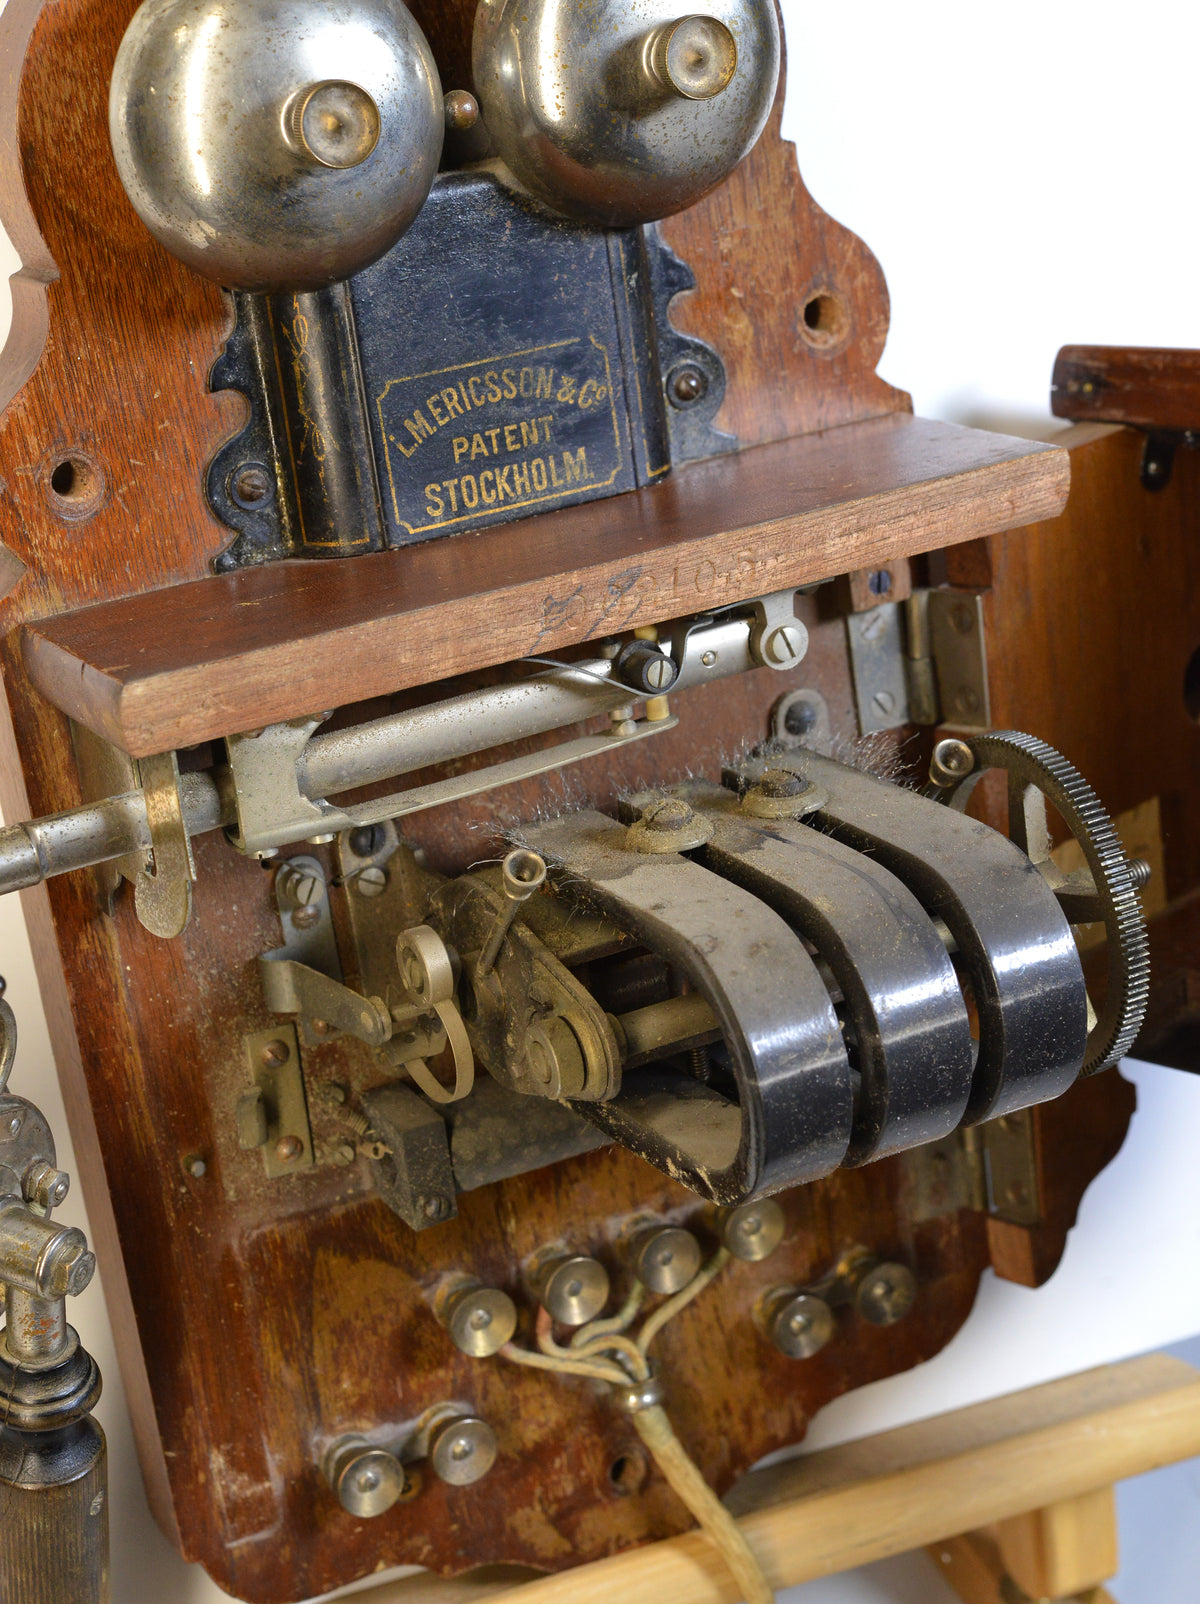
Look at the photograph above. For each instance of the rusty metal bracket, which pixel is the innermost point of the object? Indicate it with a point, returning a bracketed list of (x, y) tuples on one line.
[(273, 1114)]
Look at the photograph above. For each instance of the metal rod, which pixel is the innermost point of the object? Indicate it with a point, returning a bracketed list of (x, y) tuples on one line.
[(341, 760), (522, 874)]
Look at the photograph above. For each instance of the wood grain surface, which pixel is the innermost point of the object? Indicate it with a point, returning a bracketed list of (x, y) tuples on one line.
[(884, 1495), (169, 669), (1143, 386), (255, 1321)]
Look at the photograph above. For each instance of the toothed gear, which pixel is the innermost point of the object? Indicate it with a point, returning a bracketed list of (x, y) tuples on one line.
[(1031, 761)]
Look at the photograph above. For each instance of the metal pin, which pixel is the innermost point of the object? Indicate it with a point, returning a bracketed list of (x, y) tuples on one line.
[(523, 873)]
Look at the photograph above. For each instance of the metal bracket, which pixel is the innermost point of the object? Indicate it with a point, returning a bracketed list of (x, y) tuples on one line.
[(956, 637), (876, 642), (777, 637), (272, 810), (922, 661), (1014, 1186), (273, 1115)]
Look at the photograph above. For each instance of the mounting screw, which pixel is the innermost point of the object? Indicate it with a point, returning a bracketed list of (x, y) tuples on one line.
[(275, 1053), (372, 882), (800, 717), (461, 110), (14, 1123), (288, 1149), (194, 1165), (252, 486), (668, 825), (952, 761), (367, 1480), (302, 888), (365, 840), (785, 645), (687, 384)]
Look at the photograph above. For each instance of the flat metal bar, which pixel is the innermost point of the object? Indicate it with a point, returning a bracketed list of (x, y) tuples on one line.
[(909, 1025), (792, 1122)]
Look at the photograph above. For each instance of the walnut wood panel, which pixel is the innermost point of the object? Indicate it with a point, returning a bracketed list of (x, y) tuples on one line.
[(1092, 620), (255, 1321), (233, 652), (1151, 389)]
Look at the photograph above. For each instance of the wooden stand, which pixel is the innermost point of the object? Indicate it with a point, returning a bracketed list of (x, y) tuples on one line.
[(1027, 1480)]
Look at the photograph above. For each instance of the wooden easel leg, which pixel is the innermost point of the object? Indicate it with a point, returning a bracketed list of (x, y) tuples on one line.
[(1063, 1552)]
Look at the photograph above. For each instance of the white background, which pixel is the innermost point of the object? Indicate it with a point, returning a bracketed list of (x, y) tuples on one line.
[(1023, 172)]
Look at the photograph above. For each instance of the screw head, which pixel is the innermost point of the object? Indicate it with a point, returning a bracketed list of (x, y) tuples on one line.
[(668, 824), (365, 840), (785, 645), (673, 813), (687, 384), (461, 110), (463, 1451), (665, 1258), (480, 1320), (573, 1289), (252, 486), (372, 882), (275, 1053), (952, 760), (883, 702), (800, 717), (800, 1324), (195, 1166), (752, 1231), (306, 918), (879, 583), (288, 1149), (780, 783), (885, 1294), (15, 1121), (368, 1481)]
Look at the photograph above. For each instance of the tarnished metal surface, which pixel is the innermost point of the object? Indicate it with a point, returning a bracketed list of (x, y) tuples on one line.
[(584, 108), (531, 1022), (1107, 890), (1014, 945), (228, 179), (910, 1037), (778, 1023)]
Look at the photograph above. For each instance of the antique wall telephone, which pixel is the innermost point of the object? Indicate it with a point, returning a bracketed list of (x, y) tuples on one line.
[(627, 956)]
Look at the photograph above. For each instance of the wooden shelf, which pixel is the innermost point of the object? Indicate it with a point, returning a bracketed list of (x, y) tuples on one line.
[(174, 667)]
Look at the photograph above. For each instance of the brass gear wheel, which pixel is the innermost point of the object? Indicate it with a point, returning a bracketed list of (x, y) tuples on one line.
[(1106, 891)]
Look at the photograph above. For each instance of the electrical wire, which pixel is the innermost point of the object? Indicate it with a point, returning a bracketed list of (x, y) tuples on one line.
[(621, 1321), (686, 1481), (652, 1422), (703, 1277)]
